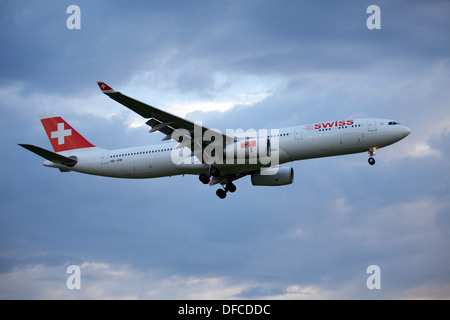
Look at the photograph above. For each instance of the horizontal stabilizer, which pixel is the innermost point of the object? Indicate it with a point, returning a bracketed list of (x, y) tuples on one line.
[(51, 156)]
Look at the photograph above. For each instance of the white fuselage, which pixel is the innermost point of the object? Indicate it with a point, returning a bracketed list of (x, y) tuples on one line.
[(294, 143)]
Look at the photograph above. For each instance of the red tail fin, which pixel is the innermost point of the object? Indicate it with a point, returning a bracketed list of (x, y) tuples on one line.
[(62, 136)]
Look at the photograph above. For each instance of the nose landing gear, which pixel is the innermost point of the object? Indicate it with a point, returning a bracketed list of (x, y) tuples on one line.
[(372, 152)]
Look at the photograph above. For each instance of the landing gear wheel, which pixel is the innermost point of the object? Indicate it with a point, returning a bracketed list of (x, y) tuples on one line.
[(204, 178), (213, 171), (371, 161), (230, 187), (221, 193)]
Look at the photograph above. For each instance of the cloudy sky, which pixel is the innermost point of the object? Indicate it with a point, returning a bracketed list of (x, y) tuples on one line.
[(230, 64)]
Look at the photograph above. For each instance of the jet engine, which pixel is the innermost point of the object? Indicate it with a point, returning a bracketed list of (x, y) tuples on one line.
[(274, 176)]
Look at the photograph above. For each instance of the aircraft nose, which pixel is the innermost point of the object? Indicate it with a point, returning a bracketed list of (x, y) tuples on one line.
[(405, 131)]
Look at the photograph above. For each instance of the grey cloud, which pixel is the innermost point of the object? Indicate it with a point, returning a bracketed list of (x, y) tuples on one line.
[(117, 40)]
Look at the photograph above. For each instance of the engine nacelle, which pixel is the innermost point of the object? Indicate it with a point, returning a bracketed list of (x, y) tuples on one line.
[(278, 176), (254, 148)]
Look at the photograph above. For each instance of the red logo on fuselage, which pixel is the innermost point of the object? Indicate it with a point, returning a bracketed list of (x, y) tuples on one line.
[(248, 144), (341, 123)]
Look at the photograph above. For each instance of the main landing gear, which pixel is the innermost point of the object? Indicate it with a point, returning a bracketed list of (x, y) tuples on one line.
[(372, 152), (212, 172), (222, 193), (215, 173)]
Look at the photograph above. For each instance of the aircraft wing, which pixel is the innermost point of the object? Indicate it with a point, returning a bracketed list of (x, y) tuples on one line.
[(165, 122)]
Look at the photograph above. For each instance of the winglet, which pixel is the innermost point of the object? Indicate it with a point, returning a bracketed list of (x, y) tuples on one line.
[(105, 88)]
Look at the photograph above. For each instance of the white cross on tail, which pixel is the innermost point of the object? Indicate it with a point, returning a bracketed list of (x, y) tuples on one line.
[(61, 133)]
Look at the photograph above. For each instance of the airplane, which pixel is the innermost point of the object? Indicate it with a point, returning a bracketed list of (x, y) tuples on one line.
[(196, 150)]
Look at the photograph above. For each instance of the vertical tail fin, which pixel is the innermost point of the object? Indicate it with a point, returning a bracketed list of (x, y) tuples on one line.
[(61, 135)]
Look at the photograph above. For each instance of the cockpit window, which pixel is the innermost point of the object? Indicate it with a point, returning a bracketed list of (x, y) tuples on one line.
[(393, 123)]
